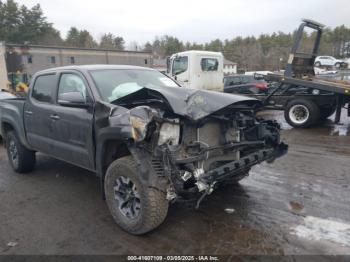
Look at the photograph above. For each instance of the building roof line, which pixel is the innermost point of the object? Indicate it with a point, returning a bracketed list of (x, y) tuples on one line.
[(74, 48)]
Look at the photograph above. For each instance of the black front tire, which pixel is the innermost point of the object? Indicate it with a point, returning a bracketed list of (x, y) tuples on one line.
[(21, 159), (153, 202), (312, 112)]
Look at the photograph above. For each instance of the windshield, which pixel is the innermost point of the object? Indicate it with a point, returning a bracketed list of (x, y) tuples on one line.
[(116, 83), (180, 65)]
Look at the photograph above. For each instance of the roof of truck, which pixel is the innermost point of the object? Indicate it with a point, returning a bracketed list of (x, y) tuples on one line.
[(200, 52)]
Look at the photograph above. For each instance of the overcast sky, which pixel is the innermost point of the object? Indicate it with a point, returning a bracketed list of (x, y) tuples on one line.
[(189, 20)]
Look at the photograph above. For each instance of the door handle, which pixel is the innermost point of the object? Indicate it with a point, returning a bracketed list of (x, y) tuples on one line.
[(28, 112), (54, 117)]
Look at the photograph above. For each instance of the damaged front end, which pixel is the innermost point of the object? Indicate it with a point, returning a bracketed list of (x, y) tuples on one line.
[(188, 155), (215, 151)]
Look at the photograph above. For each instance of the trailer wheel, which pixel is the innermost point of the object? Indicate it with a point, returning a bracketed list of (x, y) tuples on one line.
[(135, 207), (302, 113), (21, 159)]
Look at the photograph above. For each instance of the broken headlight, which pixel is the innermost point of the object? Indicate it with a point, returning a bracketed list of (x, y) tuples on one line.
[(139, 128), (169, 133)]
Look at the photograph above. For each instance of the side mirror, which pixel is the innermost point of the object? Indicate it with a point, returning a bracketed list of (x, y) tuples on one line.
[(73, 99)]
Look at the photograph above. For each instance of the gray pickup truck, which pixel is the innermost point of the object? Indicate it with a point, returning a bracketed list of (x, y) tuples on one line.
[(150, 141)]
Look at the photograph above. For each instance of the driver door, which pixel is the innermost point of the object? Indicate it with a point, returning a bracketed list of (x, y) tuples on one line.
[(74, 125)]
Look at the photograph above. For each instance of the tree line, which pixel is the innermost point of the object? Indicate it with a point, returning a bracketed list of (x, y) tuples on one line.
[(265, 52), (20, 24)]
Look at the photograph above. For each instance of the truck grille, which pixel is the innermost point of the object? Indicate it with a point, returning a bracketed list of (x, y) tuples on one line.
[(157, 165)]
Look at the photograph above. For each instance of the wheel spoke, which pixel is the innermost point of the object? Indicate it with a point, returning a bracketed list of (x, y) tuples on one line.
[(13, 152), (124, 180), (127, 196), (137, 205)]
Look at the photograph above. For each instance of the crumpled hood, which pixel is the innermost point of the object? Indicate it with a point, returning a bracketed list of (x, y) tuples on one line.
[(191, 103)]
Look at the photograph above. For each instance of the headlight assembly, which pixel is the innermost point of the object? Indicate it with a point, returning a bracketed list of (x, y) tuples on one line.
[(139, 128), (169, 133)]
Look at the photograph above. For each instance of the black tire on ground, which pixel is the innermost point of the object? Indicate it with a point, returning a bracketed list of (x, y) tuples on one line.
[(302, 113), (152, 205), (327, 112), (337, 65), (317, 64), (21, 159)]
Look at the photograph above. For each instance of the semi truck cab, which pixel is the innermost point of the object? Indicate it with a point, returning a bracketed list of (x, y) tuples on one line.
[(197, 69)]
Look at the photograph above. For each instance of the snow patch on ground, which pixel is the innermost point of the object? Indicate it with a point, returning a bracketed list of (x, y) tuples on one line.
[(341, 130), (315, 228)]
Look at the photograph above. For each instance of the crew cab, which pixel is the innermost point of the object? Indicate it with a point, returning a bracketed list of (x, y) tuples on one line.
[(150, 141)]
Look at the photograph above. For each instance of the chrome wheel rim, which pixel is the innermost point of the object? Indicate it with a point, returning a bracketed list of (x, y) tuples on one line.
[(127, 196), (13, 153), (299, 114)]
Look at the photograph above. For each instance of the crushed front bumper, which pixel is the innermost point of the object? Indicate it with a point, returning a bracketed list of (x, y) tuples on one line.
[(205, 181), (244, 163)]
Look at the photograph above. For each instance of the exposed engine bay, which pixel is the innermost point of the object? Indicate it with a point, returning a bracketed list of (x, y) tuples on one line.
[(195, 146)]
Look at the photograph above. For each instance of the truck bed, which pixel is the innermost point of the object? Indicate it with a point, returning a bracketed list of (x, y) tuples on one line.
[(325, 84), (11, 112)]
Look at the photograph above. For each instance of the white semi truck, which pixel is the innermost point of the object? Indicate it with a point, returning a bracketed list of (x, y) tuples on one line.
[(197, 69)]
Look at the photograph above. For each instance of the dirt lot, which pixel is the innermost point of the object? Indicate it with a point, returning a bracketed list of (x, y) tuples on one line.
[(298, 205)]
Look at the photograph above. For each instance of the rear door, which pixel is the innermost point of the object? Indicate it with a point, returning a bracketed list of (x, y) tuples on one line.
[(38, 113), (73, 131)]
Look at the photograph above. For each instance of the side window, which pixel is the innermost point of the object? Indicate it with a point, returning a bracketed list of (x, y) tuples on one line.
[(30, 59), (209, 64), (51, 59), (72, 60), (230, 81), (71, 83), (180, 65), (245, 79), (235, 81), (42, 89)]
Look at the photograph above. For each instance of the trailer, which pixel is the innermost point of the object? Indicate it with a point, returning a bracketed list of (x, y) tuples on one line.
[(306, 98)]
